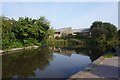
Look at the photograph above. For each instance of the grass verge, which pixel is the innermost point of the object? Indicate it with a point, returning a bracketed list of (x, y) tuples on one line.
[(109, 55)]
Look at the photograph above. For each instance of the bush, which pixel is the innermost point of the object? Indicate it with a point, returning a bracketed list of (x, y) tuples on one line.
[(74, 42), (52, 42), (16, 45), (91, 42)]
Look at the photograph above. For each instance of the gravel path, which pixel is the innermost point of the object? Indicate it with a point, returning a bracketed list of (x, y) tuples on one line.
[(108, 68)]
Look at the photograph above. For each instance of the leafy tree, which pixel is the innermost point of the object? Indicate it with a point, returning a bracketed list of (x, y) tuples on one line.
[(29, 30), (7, 35), (111, 30), (25, 30), (103, 32), (99, 34), (96, 24)]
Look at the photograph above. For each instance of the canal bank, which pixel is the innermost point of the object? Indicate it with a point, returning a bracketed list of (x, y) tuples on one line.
[(103, 67), (100, 68), (18, 49)]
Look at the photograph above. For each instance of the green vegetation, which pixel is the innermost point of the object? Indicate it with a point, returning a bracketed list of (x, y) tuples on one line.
[(104, 33), (28, 32), (109, 55), (52, 42), (24, 31)]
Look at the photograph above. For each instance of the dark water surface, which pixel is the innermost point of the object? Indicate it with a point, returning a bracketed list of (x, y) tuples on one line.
[(47, 62)]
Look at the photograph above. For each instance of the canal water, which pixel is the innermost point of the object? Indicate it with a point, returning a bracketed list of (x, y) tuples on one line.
[(47, 62)]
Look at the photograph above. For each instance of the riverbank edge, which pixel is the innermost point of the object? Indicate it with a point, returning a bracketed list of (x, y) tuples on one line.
[(89, 68), (18, 49)]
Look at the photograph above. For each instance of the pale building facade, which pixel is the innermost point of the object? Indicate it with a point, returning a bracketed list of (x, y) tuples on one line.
[(65, 31)]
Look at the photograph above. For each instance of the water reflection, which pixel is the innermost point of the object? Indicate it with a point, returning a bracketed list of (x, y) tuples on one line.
[(92, 52), (23, 64), (47, 62)]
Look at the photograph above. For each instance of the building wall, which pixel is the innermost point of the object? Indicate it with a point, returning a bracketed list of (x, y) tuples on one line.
[(66, 31), (70, 31), (57, 35)]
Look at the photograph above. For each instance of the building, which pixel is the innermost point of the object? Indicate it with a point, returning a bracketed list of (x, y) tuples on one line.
[(62, 31), (84, 31), (65, 31)]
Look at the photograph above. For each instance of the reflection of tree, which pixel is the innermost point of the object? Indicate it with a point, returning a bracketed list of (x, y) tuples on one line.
[(23, 64), (95, 53), (92, 52)]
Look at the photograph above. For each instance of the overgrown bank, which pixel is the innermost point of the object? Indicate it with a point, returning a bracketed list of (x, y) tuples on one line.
[(29, 32), (23, 32)]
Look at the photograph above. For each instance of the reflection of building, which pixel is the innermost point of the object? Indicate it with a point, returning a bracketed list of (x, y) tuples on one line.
[(64, 52), (57, 49), (67, 52), (65, 31)]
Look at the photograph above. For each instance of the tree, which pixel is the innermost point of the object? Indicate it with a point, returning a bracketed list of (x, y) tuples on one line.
[(111, 30), (25, 30), (8, 37), (96, 24), (31, 30), (103, 32), (99, 34)]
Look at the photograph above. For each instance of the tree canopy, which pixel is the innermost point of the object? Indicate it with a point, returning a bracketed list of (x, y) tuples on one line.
[(103, 32), (24, 31)]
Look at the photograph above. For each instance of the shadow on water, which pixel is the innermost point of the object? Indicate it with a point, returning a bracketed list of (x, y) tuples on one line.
[(31, 63)]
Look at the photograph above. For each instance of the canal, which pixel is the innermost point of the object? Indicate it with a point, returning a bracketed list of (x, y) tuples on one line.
[(48, 62)]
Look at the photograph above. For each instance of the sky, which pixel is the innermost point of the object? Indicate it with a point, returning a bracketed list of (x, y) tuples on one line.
[(60, 0), (64, 14)]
